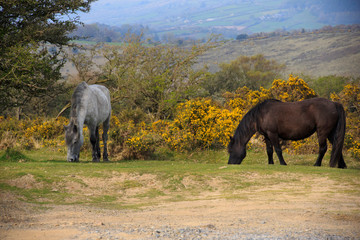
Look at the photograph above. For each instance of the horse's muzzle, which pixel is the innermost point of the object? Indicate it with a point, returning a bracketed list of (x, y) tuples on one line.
[(235, 160), (73, 159)]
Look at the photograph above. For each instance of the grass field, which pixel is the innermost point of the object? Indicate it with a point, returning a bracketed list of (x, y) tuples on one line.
[(182, 196), (44, 177)]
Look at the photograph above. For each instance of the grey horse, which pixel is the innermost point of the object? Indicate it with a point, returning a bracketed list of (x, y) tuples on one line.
[(90, 105)]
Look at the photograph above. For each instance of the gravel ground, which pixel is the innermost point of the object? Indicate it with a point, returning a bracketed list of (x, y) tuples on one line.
[(181, 220), (201, 232), (168, 232)]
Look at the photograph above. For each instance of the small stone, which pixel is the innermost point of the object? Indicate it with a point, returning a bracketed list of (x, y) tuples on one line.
[(211, 226)]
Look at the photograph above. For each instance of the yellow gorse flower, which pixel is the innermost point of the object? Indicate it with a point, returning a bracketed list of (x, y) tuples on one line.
[(198, 123)]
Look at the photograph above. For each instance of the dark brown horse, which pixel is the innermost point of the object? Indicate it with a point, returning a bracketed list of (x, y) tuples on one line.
[(277, 120)]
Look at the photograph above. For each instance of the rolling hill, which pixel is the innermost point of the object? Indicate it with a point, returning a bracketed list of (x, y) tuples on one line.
[(313, 53), (196, 19)]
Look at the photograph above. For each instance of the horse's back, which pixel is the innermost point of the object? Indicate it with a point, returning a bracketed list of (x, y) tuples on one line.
[(298, 120), (101, 91), (314, 109), (102, 96), (320, 109), (98, 104)]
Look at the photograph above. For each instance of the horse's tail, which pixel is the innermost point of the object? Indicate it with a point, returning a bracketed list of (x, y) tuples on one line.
[(338, 139)]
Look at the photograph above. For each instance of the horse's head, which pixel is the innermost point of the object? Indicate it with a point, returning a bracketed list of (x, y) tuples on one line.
[(74, 140), (237, 151)]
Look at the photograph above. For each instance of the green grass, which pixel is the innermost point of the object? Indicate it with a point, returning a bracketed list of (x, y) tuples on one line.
[(12, 155), (46, 178)]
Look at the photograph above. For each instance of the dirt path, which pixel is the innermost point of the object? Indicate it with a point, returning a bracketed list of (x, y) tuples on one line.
[(325, 212), (219, 219)]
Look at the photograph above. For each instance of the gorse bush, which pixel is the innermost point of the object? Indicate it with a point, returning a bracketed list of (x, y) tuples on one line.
[(203, 123), (131, 141), (46, 129), (295, 89), (200, 123), (35, 133), (350, 98)]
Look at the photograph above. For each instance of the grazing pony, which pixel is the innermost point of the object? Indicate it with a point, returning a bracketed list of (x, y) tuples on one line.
[(90, 105), (277, 120)]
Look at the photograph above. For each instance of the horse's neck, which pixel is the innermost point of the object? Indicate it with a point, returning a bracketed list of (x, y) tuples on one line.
[(246, 138), (251, 134), (78, 116), (245, 132)]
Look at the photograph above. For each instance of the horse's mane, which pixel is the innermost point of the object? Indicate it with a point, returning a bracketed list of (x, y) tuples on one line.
[(247, 126), (76, 99)]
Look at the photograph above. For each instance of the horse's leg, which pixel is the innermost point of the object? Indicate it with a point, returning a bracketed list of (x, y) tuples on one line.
[(98, 152), (106, 126), (322, 149), (341, 163), (93, 141), (274, 139), (269, 150)]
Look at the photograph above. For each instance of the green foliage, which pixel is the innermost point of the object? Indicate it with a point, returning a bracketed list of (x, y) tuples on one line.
[(24, 21), (152, 78), (26, 74), (96, 32), (242, 37), (82, 59), (253, 72), (12, 155), (326, 85), (28, 69)]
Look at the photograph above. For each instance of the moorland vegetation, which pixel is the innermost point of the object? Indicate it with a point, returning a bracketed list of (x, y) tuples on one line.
[(160, 101)]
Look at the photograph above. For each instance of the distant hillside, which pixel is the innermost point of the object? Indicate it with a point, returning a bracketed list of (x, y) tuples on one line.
[(315, 54), (196, 19)]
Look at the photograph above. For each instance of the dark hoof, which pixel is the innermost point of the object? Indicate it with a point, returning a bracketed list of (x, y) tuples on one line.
[(343, 166)]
